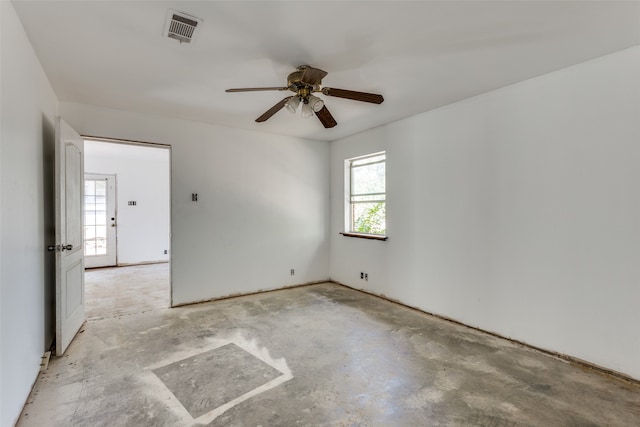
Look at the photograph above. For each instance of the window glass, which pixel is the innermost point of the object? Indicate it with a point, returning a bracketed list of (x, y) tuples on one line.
[(95, 217), (367, 194)]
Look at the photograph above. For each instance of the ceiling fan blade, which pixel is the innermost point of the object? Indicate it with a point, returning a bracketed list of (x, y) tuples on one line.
[(271, 111), (351, 94), (326, 118), (312, 76), (255, 89)]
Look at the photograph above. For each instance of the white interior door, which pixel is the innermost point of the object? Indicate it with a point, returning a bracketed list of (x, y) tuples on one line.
[(99, 220), (69, 240)]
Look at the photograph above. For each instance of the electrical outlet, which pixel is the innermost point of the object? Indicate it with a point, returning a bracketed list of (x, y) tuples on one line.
[(361, 275), (366, 276), (165, 252), (293, 272)]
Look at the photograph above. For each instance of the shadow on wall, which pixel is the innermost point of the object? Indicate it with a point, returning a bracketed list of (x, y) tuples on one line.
[(48, 212)]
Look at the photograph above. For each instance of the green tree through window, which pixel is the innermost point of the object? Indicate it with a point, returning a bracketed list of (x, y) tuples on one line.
[(367, 194)]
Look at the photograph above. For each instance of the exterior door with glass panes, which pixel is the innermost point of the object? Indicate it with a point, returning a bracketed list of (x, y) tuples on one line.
[(99, 220)]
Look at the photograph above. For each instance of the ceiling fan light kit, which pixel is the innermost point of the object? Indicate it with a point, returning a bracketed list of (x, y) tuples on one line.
[(315, 103), (311, 104), (307, 111), (304, 82), (292, 104)]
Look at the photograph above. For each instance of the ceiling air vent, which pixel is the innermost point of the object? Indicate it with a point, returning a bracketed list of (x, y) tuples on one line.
[(181, 27)]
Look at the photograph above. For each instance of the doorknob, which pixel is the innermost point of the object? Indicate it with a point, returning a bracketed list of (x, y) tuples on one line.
[(59, 248)]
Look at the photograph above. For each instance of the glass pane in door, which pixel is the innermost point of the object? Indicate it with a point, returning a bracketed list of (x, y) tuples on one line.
[(95, 217)]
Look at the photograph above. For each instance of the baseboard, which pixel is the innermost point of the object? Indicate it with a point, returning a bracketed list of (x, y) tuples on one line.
[(44, 362)]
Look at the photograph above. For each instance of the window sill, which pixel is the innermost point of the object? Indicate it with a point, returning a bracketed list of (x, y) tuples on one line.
[(365, 236)]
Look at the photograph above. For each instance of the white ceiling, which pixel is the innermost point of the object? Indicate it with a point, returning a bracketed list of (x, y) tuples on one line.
[(419, 55)]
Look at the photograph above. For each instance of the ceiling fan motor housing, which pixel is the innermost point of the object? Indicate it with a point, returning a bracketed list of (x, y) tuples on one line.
[(295, 84)]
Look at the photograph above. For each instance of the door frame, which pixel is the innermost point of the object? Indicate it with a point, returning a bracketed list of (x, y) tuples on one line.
[(86, 137)]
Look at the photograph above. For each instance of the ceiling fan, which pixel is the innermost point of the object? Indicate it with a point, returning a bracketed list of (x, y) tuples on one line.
[(304, 83)]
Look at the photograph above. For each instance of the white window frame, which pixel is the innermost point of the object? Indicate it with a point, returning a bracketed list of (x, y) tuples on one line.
[(348, 196)]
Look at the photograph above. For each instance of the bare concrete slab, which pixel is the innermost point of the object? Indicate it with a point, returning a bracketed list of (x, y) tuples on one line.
[(210, 379), (351, 360), (114, 291)]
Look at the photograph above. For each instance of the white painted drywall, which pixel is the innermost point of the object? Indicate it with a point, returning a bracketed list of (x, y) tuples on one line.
[(143, 176), (29, 107), (262, 209), (516, 211)]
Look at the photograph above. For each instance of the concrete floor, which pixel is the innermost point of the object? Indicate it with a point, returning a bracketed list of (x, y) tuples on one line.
[(319, 355), (124, 290)]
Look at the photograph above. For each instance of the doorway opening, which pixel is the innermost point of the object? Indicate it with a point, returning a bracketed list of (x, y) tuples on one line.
[(127, 227)]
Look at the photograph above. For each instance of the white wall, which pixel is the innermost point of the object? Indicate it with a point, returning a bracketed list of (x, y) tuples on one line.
[(515, 211), (29, 107), (263, 202), (142, 175)]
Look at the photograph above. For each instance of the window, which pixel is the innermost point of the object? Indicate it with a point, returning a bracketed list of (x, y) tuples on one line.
[(365, 185)]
